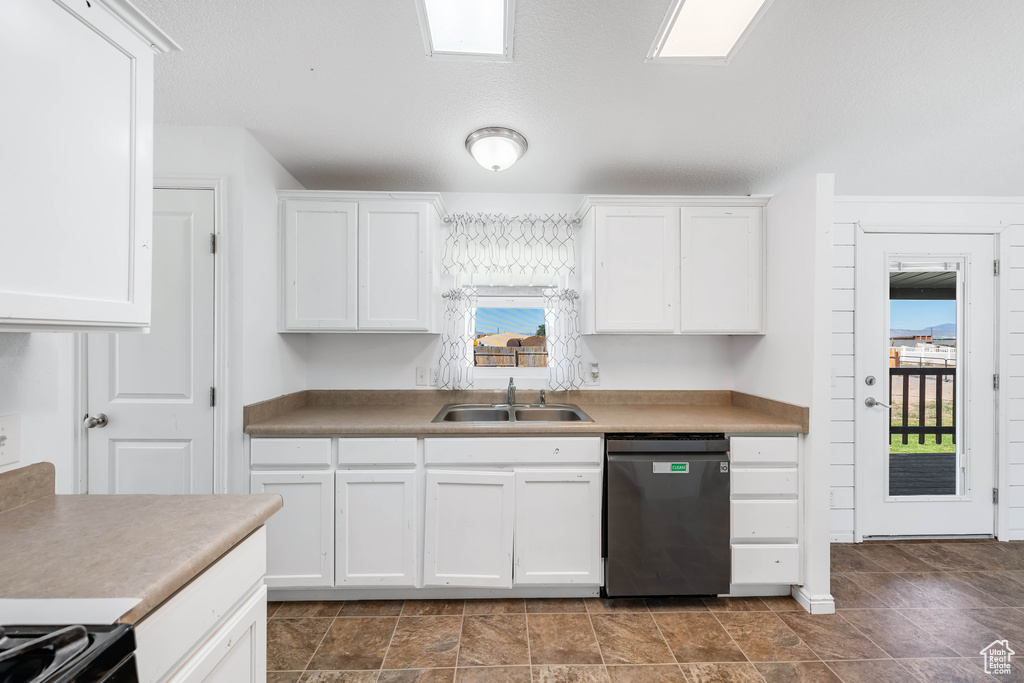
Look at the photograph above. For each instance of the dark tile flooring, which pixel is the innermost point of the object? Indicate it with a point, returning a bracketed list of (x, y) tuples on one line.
[(914, 611)]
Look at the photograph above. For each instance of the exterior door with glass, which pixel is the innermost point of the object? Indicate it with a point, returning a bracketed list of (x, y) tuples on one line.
[(925, 401)]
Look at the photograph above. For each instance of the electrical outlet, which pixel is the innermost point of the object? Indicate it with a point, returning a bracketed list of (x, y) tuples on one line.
[(421, 377), (10, 439), (433, 377), (595, 375)]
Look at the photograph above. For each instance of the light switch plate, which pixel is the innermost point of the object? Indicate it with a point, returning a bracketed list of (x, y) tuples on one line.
[(422, 376), (10, 439)]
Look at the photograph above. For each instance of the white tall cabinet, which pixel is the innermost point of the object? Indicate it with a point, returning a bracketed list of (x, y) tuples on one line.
[(672, 265), (360, 262), (76, 181)]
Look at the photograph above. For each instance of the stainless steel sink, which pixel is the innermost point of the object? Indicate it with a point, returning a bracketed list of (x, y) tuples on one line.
[(550, 414), (472, 413), (519, 412)]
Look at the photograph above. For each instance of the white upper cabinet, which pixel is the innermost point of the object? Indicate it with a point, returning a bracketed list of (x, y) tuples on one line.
[(357, 262), (76, 180), (320, 257), (396, 272), (721, 270), (636, 269), (670, 268)]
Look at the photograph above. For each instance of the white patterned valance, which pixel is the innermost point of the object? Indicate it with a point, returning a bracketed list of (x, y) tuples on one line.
[(496, 249)]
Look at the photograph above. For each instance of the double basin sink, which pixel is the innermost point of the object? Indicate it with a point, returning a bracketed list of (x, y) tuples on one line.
[(505, 413)]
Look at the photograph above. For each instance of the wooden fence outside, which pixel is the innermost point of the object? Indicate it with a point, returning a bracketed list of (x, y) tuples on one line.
[(510, 356), (937, 375)]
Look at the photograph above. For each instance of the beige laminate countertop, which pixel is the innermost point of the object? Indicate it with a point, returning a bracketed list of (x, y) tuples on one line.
[(378, 413), (143, 547)]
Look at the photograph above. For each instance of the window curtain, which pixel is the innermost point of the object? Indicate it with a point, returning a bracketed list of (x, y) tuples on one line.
[(455, 368), (498, 249), (562, 328)]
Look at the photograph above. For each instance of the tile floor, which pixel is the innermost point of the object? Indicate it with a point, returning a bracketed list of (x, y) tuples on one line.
[(906, 611)]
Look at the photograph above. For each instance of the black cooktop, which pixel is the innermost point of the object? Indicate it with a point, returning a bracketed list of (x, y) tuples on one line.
[(66, 654)]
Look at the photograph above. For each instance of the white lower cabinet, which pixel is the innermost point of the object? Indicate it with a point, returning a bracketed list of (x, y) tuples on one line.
[(377, 525), (765, 510), (468, 529), (215, 628), (558, 527), (300, 537)]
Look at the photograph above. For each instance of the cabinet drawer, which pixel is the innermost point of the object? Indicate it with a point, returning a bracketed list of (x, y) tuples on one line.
[(774, 482), (513, 451), (756, 520), (376, 451), (290, 452), (766, 564), (763, 449)]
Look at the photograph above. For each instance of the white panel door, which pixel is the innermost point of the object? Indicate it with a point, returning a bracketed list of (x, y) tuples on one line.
[(940, 481), (77, 170), (155, 388), (637, 269), (558, 527), (395, 274), (721, 270), (468, 529), (377, 528), (300, 536), (319, 270)]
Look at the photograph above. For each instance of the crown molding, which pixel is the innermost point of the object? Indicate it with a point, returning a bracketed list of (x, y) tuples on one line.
[(592, 200), (133, 17), (434, 198)]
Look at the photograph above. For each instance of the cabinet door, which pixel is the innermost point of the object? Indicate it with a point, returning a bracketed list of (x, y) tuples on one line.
[(377, 528), (558, 527), (300, 537), (395, 275), (468, 529), (76, 181), (636, 287), (721, 269), (319, 270)]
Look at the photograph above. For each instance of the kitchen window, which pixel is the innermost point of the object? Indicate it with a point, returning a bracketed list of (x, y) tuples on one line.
[(509, 334)]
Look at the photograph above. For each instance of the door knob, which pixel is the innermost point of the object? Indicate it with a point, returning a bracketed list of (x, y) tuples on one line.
[(870, 402), (99, 421)]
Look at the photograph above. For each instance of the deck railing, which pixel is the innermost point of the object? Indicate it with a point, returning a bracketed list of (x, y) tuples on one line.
[(922, 428)]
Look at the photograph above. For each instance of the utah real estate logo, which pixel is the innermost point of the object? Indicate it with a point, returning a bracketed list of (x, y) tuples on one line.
[(997, 658)]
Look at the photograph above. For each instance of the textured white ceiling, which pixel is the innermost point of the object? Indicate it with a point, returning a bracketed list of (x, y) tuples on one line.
[(894, 96)]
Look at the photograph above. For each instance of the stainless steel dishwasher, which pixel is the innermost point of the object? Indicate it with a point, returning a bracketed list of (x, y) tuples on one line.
[(666, 526)]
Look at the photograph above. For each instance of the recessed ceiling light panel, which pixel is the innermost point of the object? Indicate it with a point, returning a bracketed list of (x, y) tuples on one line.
[(475, 29), (705, 31)]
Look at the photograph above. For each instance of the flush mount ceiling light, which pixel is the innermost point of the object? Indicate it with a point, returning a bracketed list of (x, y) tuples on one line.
[(496, 148), (467, 29), (705, 31)]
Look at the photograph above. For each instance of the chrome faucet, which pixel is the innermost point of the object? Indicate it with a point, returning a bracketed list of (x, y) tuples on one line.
[(511, 390), (543, 399)]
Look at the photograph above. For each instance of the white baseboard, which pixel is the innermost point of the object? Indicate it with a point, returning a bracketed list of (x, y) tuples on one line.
[(842, 537), (746, 590), (432, 593), (814, 604)]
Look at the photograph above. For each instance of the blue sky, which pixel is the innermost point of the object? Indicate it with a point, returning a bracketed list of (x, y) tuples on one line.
[(914, 314), (521, 320)]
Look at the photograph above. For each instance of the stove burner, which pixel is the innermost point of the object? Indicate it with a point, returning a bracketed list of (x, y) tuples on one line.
[(53, 654)]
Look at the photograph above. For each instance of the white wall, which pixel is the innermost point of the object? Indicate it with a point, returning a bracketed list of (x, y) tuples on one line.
[(262, 364), (992, 215), (36, 382), (791, 361)]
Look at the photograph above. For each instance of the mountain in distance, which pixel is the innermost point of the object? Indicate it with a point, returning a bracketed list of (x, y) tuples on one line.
[(944, 331)]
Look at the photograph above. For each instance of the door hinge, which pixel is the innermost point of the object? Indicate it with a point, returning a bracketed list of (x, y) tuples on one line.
[(995, 495), (995, 381), (995, 267), (213, 243), (213, 397)]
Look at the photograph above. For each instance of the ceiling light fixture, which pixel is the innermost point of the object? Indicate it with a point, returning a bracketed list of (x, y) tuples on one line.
[(705, 31), (467, 29), (496, 148)]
